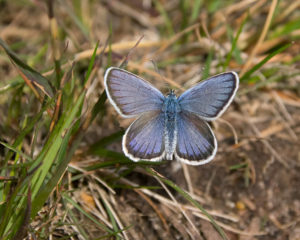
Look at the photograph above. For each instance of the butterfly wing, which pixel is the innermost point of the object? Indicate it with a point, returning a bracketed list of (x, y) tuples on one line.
[(196, 143), (143, 139), (210, 98), (130, 94)]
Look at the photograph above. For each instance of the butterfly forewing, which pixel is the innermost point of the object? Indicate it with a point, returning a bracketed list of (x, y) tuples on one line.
[(144, 140), (196, 143), (130, 94), (210, 98)]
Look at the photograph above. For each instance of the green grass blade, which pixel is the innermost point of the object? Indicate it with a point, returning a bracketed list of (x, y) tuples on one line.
[(31, 123), (10, 210), (234, 44), (76, 223), (47, 188), (38, 80), (238, 166), (196, 6), (16, 151), (91, 64), (246, 76), (108, 236), (102, 226), (206, 70), (103, 142), (213, 6), (286, 29), (55, 141), (168, 21), (99, 107), (15, 83), (118, 159), (77, 20), (112, 219), (184, 8)]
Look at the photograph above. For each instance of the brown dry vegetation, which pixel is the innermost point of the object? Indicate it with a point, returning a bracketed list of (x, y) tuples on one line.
[(251, 188)]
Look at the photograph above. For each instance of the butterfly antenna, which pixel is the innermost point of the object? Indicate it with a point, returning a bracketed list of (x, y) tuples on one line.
[(125, 61), (157, 71), (100, 56)]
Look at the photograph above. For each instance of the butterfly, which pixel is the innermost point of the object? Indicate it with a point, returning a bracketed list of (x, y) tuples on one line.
[(168, 127)]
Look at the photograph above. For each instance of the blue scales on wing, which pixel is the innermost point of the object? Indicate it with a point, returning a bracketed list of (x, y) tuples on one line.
[(130, 94), (196, 143), (144, 139), (210, 98)]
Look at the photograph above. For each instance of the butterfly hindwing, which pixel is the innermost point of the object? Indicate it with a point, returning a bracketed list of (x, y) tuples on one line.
[(196, 143), (210, 98), (144, 138), (130, 94)]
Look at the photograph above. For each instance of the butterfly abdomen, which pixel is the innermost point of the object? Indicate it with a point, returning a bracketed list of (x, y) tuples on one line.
[(170, 109)]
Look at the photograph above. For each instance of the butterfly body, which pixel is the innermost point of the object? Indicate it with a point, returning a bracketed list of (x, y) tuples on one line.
[(170, 109), (168, 127)]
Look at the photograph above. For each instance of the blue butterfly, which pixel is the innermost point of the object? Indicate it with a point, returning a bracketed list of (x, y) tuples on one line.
[(168, 127)]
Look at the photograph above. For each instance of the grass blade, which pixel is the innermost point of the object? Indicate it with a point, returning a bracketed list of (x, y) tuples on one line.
[(91, 64), (190, 199), (262, 62), (28, 74), (102, 226), (168, 21), (206, 70), (196, 5), (234, 44), (16, 151)]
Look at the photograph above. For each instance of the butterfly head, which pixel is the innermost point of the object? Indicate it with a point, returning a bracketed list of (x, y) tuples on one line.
[(171, 93), (171, 105)]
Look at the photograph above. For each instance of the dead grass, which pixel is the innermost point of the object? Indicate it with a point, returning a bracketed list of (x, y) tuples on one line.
[(252, 186)]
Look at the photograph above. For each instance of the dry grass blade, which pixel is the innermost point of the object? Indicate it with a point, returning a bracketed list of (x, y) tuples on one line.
[(136, 66), (268, 145), (195, 232), (155, 208), (93, 176), (112, 211), (123, 46), (235, 135), (261, 38), (170, 203), (175, 38), (138, 16), (187, 177)]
